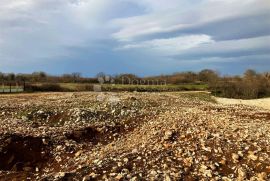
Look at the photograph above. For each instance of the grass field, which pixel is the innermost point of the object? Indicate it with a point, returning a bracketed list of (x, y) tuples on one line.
[(73, 87), (139, 88), (6, 89)]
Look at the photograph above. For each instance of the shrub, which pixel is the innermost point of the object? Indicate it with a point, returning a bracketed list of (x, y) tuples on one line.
[(47, 87), (242, 89)]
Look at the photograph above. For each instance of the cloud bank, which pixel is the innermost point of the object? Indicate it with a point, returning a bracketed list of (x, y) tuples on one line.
[(143, 37)]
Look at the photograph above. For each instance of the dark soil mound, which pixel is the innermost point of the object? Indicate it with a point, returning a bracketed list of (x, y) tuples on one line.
[(20, 153)]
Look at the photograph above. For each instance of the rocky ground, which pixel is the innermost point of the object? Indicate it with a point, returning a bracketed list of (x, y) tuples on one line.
[(131, 136)]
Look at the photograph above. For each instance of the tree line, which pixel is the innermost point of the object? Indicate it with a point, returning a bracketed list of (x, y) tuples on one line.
[(42, 77), (249, 85), (176, 78)]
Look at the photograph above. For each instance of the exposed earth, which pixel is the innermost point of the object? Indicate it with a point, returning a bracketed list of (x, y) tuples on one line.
[(263, 102), (131, 136)]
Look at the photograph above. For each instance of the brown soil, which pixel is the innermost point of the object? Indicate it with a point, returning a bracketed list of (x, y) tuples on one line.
[(142, 136)]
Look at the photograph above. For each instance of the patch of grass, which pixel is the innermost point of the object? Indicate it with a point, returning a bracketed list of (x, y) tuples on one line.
[(14, 89), (202, 96), (76, 87), (154, 88)]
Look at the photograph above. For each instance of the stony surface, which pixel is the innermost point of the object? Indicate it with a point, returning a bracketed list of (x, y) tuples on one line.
[(131, 136)]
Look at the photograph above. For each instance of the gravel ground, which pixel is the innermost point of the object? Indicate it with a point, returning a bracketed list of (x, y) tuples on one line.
[(131, 136)]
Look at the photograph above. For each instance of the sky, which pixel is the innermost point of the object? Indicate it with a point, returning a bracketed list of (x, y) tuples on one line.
[(144, 37)]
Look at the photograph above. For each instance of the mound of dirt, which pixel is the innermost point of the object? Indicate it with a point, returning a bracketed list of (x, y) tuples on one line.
[(86, 134), (19, 153)]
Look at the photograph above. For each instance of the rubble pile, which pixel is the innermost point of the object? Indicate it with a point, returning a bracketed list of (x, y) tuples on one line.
[(141, 136)]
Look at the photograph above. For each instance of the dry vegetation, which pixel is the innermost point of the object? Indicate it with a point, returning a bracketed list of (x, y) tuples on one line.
[(131, 136), (250, 85)]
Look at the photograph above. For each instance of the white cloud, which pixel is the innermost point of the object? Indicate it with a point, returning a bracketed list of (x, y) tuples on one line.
[(171, 46), (32, 30), (202, 46), (161, 20), (164, 5), (230, 48)]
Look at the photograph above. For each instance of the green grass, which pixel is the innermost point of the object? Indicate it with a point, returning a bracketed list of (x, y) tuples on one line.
[(77, 86), (124, 87), (202, 96), (6, 89)]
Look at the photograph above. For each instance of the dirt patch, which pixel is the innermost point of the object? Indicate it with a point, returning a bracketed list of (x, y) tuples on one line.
[(262, 103), (86, 134), (19, 153)]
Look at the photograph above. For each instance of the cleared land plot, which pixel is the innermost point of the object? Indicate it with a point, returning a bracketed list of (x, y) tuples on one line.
[(131, 136)]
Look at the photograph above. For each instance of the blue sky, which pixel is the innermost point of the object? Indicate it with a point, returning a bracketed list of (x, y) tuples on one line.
[(145, 37)]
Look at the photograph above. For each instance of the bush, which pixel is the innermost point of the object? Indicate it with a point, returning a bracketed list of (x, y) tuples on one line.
[(242, 89), (47, 87)]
